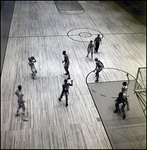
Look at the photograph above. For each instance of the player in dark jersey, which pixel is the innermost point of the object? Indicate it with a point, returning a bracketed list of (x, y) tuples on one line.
[(97, 43), (120, 100), (98, 68), (65, 90), (20, 100), (66, 64), (32, 60)]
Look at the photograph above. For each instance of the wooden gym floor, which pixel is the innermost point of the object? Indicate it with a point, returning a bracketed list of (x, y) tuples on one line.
[(38, 29)]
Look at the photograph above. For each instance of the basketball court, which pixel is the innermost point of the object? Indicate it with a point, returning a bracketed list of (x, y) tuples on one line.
[(44, 29)]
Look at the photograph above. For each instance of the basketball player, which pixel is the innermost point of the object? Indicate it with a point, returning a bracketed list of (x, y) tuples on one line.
[(98, 68), (66, 63), (20, 100), (32, 60), (120, 100), (65, 90), (124, 90), (97, 43), (90, 49)]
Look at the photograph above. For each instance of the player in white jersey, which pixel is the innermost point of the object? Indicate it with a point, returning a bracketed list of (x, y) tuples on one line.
[(32, 60), (90, 49), (20, 100), (124, 90)]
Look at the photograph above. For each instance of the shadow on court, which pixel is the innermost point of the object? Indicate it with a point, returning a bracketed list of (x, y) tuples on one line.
[(68, 6), (123, 134)]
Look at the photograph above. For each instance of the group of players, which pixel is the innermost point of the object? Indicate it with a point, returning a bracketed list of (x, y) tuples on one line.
[(122, 98), (19, 93)]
